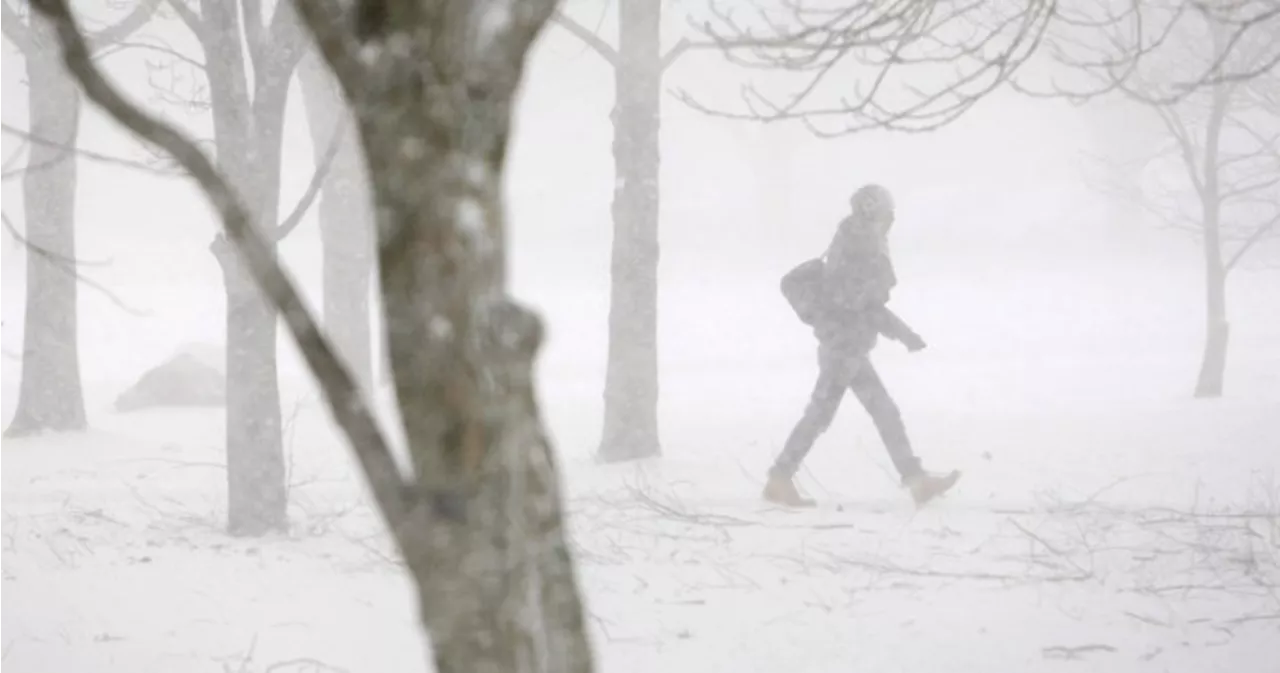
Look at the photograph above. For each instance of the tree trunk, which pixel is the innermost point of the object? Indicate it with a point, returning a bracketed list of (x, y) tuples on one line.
[(497, 587), (50, 396), (1213, 364), (631, 377), (1209, 383), (248, 137), (345, 228), (485, 542), (257, 495)]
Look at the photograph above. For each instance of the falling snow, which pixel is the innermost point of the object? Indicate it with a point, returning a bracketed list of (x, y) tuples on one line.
[(1107, 518)]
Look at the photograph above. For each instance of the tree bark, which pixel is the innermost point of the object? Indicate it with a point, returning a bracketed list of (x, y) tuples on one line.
[(50, 396), (248, 133), (631, 378), (257, 500), (345, 227), (488, 549)]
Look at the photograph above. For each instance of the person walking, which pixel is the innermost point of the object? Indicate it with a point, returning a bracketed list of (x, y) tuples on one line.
[(843, 296)]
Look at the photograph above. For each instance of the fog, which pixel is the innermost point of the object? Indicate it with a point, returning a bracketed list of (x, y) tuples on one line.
[(1064, 326)]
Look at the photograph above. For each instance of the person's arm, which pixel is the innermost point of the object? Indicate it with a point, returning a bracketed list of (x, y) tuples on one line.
[(887, 323)]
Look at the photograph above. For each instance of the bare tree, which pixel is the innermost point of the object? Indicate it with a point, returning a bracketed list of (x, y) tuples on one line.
[(247, 98), (346, 227), (859, 62), (917, 65), (432, 85), (631, 377), (1224, 137), (50, 396)]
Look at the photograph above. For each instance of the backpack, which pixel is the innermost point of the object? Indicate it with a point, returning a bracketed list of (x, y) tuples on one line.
[(803, 289)]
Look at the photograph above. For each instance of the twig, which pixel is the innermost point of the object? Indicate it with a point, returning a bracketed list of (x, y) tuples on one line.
[(1074, 652), (12, 159), (1145, 619), (70, 150), (68, 266), (587, 37), (314, 665)]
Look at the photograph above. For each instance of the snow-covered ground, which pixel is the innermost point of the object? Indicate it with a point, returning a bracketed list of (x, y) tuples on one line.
[(1106, 521)]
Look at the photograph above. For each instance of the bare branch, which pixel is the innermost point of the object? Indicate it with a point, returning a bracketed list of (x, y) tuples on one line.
[(254, 30), (1269, 146), (12, 159), (673, 54), (682, 47), (179, 84), (1228, 157), (126, 45), (69, 150), (45, 252), (16, 30), (1244, 188), (974, 46), (70, 266), (134, 20), (982, 45), (11, 173), (349, 409), (288, 39), (588, 37), (313, 188), (286, 26), (1258, 234), (193, 21)]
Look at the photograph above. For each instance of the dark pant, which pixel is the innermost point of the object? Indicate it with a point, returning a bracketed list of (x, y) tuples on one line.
[(837, 372)]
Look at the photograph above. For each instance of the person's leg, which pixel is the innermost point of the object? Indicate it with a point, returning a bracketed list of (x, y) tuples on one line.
[(875, 398), (833, 380), (824, 402)]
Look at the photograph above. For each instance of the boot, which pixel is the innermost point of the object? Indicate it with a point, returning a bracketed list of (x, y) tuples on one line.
[(925, 487), (782, 491)]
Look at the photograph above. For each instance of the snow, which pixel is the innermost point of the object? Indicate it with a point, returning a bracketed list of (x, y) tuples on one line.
[(1128, 528), (495, 19), (440, 326), (413, 148), (370, 52), (471, 223), (1106, 521)]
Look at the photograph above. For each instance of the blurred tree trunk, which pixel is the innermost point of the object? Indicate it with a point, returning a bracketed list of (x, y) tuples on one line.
[(631, 375), (345, 227), (486, 543)]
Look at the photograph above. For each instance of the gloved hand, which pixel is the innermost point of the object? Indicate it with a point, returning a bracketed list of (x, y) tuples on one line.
[(913, 342)]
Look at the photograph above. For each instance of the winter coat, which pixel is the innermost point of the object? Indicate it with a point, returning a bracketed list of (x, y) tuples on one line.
[(858, 279)]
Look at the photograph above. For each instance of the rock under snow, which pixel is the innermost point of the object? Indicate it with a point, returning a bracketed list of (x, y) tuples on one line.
[(193, 377)]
